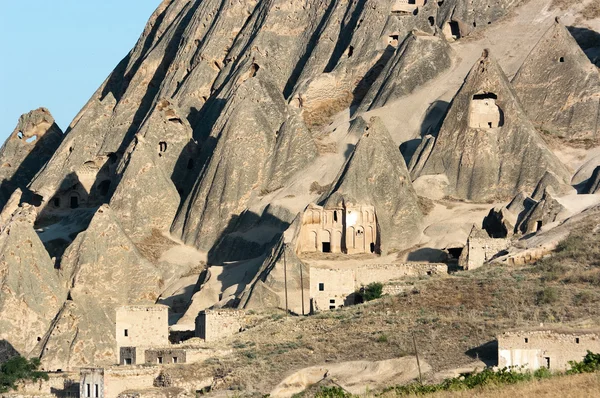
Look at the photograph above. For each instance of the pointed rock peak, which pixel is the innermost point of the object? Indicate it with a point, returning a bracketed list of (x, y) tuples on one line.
[(550, 180), (375, 175), (559, 86), (487, 147)]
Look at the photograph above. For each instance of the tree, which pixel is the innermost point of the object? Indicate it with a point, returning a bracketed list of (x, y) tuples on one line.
[(17, 369)]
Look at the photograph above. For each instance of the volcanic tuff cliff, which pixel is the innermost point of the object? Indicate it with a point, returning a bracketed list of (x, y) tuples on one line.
[(223, 123)]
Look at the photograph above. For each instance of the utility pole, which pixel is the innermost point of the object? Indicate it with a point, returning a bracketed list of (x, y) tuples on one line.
[(418, 363), (285, 281), (302, 288)]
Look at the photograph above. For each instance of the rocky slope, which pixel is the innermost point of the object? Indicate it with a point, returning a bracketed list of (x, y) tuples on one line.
[(227, 119)]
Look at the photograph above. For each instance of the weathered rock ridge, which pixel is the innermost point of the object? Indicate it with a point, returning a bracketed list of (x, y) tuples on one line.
[(487, 147), (559, 87), (26, 151)]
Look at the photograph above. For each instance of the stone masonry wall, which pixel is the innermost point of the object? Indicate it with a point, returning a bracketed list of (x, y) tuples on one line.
[(536, 349), (334, 287), (213, 325), (142, 326)]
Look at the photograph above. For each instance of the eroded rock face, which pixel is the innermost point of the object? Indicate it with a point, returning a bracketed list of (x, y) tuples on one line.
[(26, 151), (593, 184), (487, 147), (559, 87), (544, 212), (31, 292), (419, 59), (375, 174), (255, 145), (102, 270), (156, 166), (469, 15)]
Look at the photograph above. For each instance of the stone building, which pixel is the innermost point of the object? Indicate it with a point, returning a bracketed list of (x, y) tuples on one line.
[(347, 229), (112, 381), (484, 113), (480, 248), (140, 327), (165, 356), (332, 288), (91, 384), (546, 348), (407, 7), (213, 325)]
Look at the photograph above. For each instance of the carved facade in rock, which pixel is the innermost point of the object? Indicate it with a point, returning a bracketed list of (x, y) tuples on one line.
[(347, 229)]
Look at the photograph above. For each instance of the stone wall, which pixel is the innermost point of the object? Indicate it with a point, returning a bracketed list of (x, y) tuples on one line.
[(481, 250), (142, 326), (350, 229), (332, 288), (213, 325), (120, 379), (128, 356), (545, 348), (165, 356), (59, 384), (91, 383)]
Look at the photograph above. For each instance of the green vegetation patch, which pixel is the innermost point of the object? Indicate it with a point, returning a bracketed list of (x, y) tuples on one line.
[(19, 369)]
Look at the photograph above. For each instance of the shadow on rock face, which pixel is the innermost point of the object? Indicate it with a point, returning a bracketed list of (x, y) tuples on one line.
[(487, 353), (589, 41), (7, 351)]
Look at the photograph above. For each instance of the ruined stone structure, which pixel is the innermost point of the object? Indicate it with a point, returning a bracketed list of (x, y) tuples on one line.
[(347, 229), (549, 348), (139, 327), (165, 356), (407, 7), (480, 248), (91, 383), (112, 381), (212, 325), (484, 113), (331, 288)]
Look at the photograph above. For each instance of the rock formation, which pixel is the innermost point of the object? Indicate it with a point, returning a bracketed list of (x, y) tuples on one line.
[(102, 269), (502, 221), (26, 151), (559, 87), (544, 212), (31, 292), (156, 166), (419, 59), (593, 184), (254, 146), (375, 174), (487, 147)]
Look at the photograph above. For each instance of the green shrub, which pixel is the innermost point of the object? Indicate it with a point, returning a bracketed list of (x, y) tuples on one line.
[(382, 338), (371, 292), (488, 376), (17, 369), (590, 364), (549, 295)]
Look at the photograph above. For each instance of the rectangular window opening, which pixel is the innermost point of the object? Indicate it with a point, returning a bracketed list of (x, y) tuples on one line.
[(127, 361), (332, 301), (159, 360), (321, 287), (576, 340), (126, 333), (174, 359), (526, 340), (332, 307), (96, 390), (88, 390)]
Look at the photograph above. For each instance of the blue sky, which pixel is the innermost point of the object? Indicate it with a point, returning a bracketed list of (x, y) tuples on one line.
[(57, 53)]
